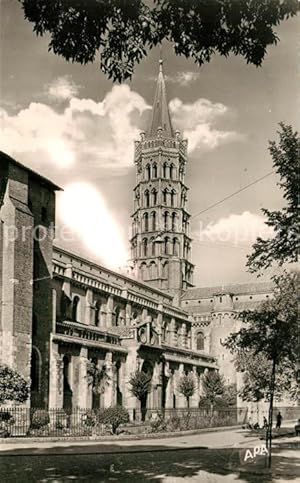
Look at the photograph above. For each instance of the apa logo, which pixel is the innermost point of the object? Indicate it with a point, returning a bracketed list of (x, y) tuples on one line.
[(257, 451)]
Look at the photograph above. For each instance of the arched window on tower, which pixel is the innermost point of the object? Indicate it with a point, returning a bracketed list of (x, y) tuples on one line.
[(167, 243), (165, 271), (116, 316), (75, 308), (173, 193), (153, 216), (148, 172), (154, 170), (154, 196), (145, 247), (165, 167), (143, 271), (152, 247), (200, 341), (165, 196), (153, 270), (174, 222), (175, 247), (146, 221), (147, 198), (166, 220), (172, 171)]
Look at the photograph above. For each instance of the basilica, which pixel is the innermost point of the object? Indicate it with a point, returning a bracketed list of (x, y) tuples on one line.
[(59, 311)]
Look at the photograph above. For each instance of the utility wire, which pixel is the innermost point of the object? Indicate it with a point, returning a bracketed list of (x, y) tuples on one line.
[(232, 194)]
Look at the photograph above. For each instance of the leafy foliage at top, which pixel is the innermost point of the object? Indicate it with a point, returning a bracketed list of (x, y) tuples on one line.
[(140, 384), (115, 416), (123, 31), (98, 376), (187, 386), (283, 247), (270, 335), (213, 385), (13, 386)]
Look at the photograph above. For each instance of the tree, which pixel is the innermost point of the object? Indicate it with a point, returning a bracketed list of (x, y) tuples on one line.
[(187, 387), (115, 416), (123, 32), (213, 387), (13, 386), (283, 247), (271, 332), (140, 383), (97, 376)]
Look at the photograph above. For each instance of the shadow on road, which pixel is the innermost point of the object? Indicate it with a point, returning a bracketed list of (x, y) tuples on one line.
[(143, 463)]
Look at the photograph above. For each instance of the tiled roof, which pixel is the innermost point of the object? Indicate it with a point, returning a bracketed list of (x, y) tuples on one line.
[(236, 289)]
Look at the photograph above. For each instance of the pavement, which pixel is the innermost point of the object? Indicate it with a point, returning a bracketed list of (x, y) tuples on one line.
[(206, 457)]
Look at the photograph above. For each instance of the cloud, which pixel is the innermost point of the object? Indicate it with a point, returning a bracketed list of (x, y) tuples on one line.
[(83, 210), (95, 134), (63, 88), (196, 121), (183, 78), (238, 229)]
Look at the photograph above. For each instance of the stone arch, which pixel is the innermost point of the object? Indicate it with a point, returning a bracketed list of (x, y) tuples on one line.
[(153, 218), (145, 247), (174, 221), (144, 271), (166, 215), (166, 245), (146, 221), (67, 391), (154, 196), (153, 270), (173, 197), (36, 369), (165, 170), (175, 247), (148, 172), (152, 244), (172, 171), (154, 170), (165, 195)]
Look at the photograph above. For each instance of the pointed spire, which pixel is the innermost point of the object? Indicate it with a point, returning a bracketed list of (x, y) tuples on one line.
[(160, 111)]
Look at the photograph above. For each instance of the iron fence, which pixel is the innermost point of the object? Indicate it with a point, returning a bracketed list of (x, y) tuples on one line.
[(32, 422)]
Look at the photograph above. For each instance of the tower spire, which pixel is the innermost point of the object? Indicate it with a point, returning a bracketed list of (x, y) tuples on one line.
[(160, 111)]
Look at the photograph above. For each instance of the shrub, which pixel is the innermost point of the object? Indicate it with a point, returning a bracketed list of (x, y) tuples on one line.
[(174, 423), (115, 416), (13, 386), (159, 424), (89, 419), (40, 419)]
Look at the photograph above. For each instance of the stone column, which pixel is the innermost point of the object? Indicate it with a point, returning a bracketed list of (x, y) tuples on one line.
[(172, 331), (109, 311), (89, 317), (55, 377), (195, 398), (181, 401), (82, 399), (110, 390), (128, 311), (54, 310), (183, 335)]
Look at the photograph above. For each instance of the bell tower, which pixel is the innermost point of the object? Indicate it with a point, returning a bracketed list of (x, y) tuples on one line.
[(160, 243)]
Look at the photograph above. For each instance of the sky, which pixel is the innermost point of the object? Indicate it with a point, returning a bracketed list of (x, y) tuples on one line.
[(74, 126)]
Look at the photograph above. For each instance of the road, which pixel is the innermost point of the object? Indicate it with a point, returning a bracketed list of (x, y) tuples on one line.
[(207, 458)]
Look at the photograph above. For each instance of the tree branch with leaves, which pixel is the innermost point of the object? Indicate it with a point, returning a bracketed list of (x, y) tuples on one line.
[(123, 32)]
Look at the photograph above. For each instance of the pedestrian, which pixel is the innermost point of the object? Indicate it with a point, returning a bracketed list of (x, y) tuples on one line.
[(278, 422), (265, 425)]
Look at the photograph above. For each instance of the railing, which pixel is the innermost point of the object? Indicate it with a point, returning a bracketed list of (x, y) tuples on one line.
[(30, 422), (195, 418)]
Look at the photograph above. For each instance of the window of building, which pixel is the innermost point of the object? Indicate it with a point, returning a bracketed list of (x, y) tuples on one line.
[(154, 170), (147, 199), (44, 214), (153, 221), (200, 341), (154, 196), (75, 308), (221, 300), (173, 192), (146, 222), (148, 172), (35, 370)]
